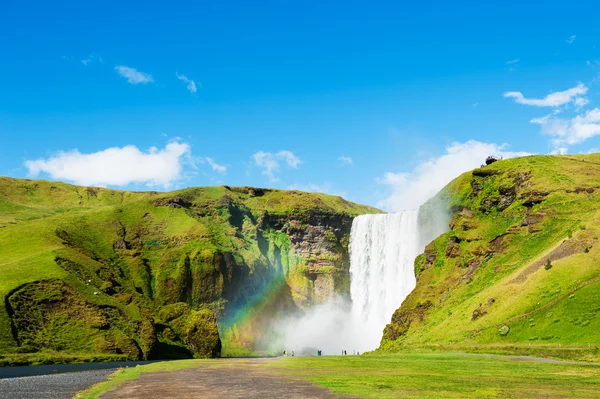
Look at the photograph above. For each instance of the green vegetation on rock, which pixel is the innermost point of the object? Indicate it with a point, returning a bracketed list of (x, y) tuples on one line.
[(519, 269), (88, 272)]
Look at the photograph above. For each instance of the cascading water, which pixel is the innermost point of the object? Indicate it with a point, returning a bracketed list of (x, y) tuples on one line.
[(382, 253)]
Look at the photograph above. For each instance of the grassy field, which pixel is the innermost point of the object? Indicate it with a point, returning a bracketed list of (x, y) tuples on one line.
[(414, 375)]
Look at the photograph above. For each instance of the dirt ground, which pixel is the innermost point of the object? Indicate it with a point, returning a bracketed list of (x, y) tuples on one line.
[(228, 378)]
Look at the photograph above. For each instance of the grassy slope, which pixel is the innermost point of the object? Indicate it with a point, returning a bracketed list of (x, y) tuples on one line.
[(32, 214), (413, 375), (29, 214), (474, 283)]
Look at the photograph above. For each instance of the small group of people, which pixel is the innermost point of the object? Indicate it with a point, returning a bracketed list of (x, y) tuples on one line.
[(320, 353)]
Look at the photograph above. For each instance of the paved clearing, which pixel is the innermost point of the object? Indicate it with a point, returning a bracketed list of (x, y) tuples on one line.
[(51, 386), (228, 379)]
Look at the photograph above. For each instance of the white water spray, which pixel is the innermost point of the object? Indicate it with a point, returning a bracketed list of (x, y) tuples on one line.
[(382, 253)]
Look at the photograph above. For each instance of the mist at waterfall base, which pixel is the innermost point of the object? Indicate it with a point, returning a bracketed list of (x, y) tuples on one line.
[(382, 253)]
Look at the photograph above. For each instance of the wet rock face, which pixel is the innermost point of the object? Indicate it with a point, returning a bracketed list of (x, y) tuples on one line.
[(312, 241), (452, 250), (308, 247), (534, 198), (499, 243), (530, 220), (174, 202), (430, 255), (320, 263), (508, 194), (324, 287)]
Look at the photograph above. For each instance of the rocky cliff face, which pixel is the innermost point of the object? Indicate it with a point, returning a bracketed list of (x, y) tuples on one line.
[(149, 275), (316, 249)]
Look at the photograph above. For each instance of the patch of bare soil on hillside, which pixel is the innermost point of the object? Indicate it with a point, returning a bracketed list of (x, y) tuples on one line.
[(565, 249), (231, 378)]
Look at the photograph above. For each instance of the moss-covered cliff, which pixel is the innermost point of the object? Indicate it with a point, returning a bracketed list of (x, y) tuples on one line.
[(519, 269), (91, 272)]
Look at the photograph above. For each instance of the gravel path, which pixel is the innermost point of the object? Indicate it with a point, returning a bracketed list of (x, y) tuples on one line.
[(52, 386), (227, 379)]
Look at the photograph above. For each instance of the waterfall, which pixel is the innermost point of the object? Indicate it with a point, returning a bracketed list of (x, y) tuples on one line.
[(382, 253)]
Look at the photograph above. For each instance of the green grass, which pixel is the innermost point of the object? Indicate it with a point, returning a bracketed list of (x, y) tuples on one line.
[(541, 307), (127, 254), (445, 375), (413, 375)]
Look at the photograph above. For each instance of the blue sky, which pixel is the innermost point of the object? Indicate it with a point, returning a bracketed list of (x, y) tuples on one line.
[(286, 94)]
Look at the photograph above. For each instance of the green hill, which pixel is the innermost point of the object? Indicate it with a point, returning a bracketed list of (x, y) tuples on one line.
[(91, 273), (519, 269)]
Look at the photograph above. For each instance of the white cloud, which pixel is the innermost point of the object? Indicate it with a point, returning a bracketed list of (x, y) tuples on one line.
[(346, 160), (191, 85), (511, 62), (581, 102), (324, 188), (551, 100), (116, 166), (571, 39), (559, 151), (570, 131), (92, 58), (411, 189), (222, 169), (133, 76), (270, 162)]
